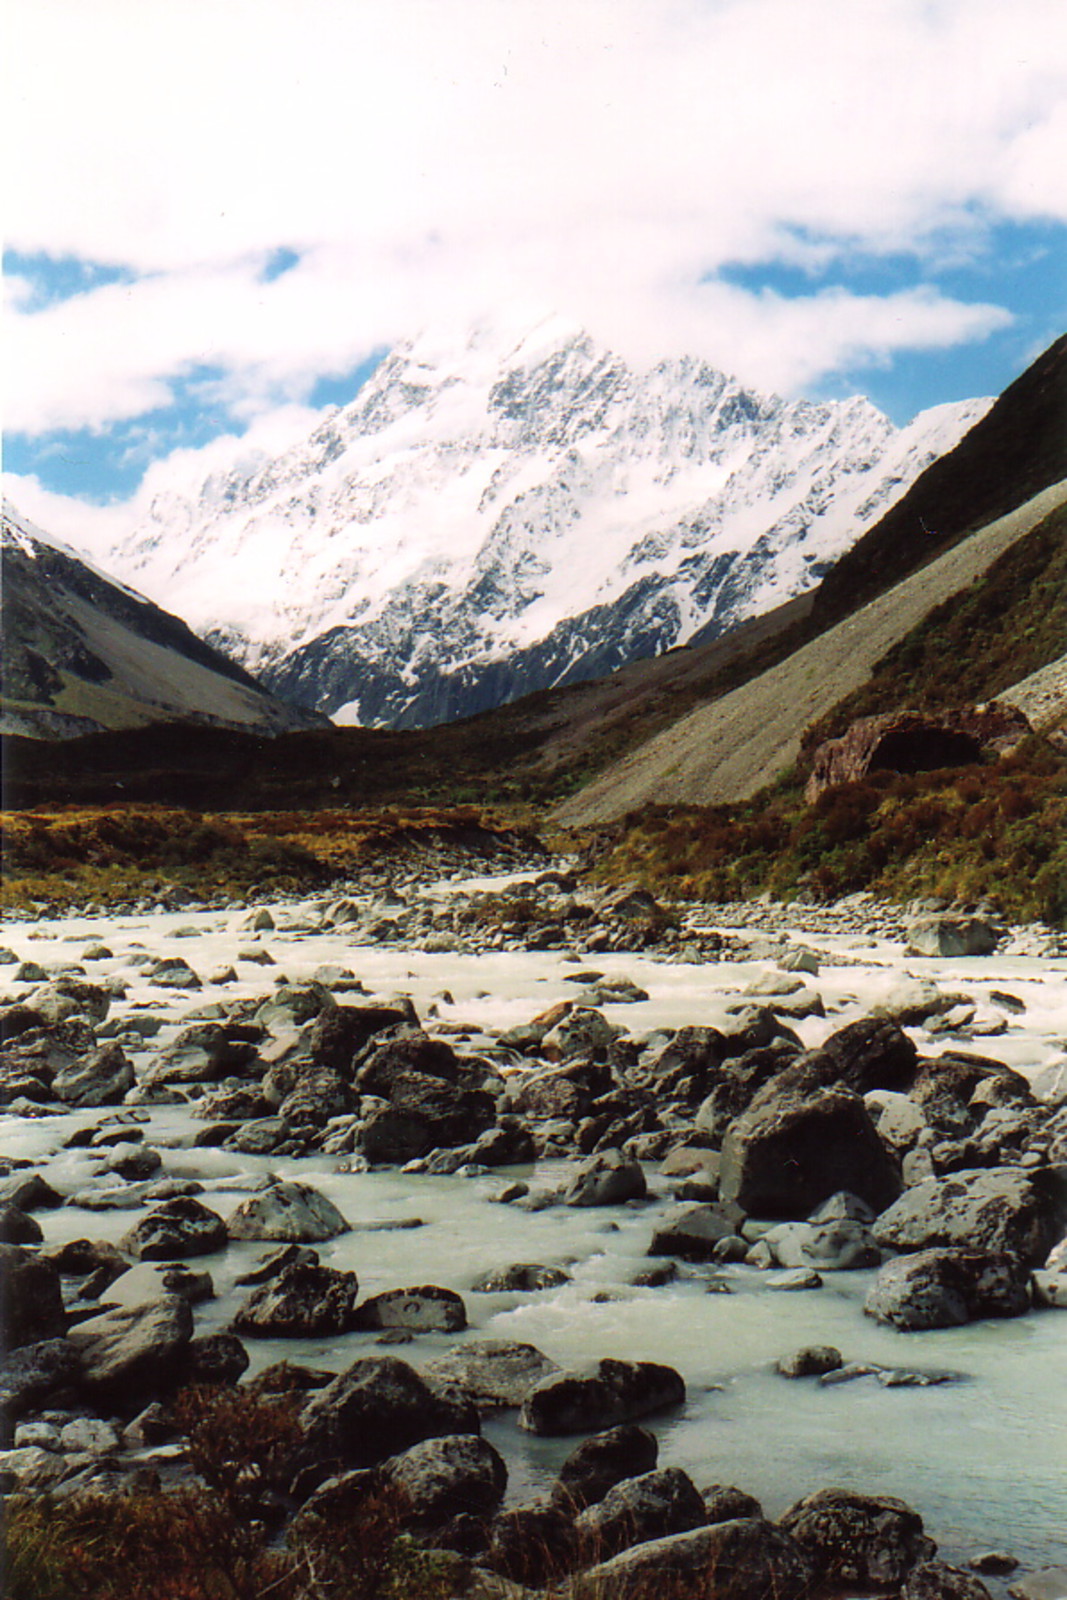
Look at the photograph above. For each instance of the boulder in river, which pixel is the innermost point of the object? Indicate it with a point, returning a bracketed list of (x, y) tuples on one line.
[(129, 1354), (992, 1208), (602, 1461), (607, 1179), (304, 1301), (635, 1510), (176, 1230), (292, 1212), (943, 1288), (423, 1310), (786, 1155), (376, 1408), (102, 1077), (31, 1298), (609, 1393), (857, 1538), (492, 1373), (743, 1559)]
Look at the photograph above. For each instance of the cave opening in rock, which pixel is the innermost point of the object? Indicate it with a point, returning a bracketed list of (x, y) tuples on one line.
[(923, 750)]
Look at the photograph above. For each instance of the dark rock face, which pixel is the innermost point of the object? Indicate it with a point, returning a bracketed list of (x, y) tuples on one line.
[(31, 1299), (744, 1559), (638, 1509), (425, 1113), (33, 1374), (532, 1545), (692, 1232), (133, 1353), (936, 1580), (615, 1391), (725, 1503), (100, 1078), (412, 1053), (992, 1208), (913, 741), (337, 1035), (784, 1157), (175, 1230), (448, 1476), (599, 1463), (855, 1538), (303, 1301), (377, 1408), (529, 1276), (607, 1179), (943, 1288)]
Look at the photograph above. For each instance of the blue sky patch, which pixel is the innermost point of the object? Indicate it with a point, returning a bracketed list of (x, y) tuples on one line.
[(278, 262), (342, 390), (58, 278)]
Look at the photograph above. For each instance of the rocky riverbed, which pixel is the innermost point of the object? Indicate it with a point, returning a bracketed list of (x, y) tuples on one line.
[(761, 1203)]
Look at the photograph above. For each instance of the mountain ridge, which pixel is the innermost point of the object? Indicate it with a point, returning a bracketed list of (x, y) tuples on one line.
[(483, 522)]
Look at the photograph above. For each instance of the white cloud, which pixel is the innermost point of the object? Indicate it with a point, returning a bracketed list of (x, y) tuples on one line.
[(433, 159)]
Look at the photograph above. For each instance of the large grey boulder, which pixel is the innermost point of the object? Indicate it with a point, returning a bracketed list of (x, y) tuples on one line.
[(205, 1052), (944, 935), (783, 1157), (650, 1506), (838, 1246), (31, 1299), (176, 1230), (691, 1232), (133, 1352), (607, 1179), (743, 1559), (858, 1539), (32, 1375), (421, 1310), (937, 1580), (532, 1545), (610, 1393), (448, 1476), (491, 1373), (376, 1408), (293, 1212), (70, 996), (989, 1208), (100, 1078), (943, 1288), (303, 1301), (599, 1463)]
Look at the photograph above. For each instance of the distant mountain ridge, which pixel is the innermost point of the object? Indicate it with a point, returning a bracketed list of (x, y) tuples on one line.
[(516, 513), (82, 653)]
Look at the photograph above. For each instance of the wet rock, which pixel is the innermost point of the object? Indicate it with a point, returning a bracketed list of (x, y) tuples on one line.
[(136, 1162), (29, 1192), (293, 1004), (214, 1358), (943, 1288), (610, 1393), (584, 1032), (599, 1463), (843, 1246), (532, 1545), (607, 1179), (151, 1281), (340, 1032), (70, 996), (206, 1052), (509, 1144), (528, 1277), (101, 1078), (943, 935), (176, 1230), (491, 1373), (303, 1301), (448, 1475), (411, 1052), (693, 1232), (293, 1212), (33, 1375), (31, 1298), (724, 1503), (318, 1094), (18, 1228), (376, 1408), (173, 972), (993, 1208), (811, 1362), (422, 1310), (785, 1156), (131, 1353), (751, 1559), (858, 1539), (937, 1580), (638, 1509)]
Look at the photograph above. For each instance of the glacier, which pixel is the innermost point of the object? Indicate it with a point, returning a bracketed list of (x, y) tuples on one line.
[(508, 512)]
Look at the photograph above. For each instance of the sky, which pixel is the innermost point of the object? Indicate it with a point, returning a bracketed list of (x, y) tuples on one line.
[(220, 214)]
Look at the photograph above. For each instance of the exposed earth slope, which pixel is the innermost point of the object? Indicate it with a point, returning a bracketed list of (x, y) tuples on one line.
[(82, 653), (729, 749)]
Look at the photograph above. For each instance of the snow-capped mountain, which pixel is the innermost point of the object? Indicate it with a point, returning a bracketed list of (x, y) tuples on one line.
[(82, 653), (509, 514)]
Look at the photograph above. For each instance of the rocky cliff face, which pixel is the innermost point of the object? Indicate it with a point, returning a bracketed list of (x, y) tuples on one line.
[(82, 653), (519, 512)]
